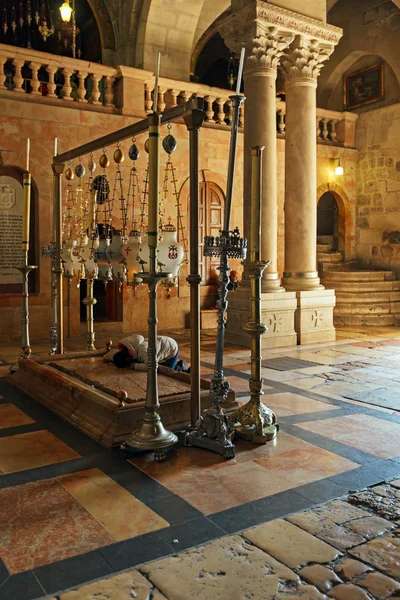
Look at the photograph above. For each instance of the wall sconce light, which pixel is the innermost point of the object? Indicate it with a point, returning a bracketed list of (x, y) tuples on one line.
[(338, 168)]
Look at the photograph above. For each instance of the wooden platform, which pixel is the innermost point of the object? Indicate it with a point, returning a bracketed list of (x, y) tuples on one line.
[(83, 390)]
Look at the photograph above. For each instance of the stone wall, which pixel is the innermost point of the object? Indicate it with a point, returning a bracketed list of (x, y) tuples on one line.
[(378, 188)]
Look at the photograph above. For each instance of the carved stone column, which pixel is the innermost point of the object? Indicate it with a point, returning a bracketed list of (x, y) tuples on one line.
[(302, 63)]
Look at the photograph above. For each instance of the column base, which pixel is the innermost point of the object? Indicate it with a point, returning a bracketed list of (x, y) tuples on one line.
[(294, 282), (314, 316), (278, 313)]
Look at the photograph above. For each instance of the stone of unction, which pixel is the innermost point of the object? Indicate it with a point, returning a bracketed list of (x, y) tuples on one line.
[(228, 564), (125, 586), (290, 544), (320, 576)]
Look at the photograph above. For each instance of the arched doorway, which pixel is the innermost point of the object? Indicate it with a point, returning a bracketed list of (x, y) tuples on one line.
[(211, 214), (328, 221)]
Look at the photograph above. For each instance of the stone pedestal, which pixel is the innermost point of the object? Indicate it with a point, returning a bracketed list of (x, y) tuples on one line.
[(278, 314), (314, 316)]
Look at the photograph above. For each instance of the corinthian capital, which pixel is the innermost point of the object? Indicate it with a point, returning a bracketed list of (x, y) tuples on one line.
[(266, 49), (304, 59)]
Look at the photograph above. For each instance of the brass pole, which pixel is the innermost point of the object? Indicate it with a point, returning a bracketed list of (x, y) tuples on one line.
[(254, 421), (58, 169), (193, 120), (89, 302), (151, 434)]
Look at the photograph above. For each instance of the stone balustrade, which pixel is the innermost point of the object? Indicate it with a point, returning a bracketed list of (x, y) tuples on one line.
[(129, 91)]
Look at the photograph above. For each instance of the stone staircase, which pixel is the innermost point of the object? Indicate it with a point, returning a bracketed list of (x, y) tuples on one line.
[(363, 298)]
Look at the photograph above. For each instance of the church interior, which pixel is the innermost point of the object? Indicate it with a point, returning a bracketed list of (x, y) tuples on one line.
[(199, 290)]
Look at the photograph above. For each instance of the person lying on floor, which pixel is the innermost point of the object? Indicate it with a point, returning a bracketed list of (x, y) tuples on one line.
[(132, 353)]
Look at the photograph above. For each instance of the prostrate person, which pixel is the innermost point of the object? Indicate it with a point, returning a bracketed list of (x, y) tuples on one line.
[(132, 353)]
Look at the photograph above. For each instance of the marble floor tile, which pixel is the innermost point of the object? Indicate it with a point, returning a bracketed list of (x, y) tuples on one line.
[(286, 404), (317, 370), (12, 416), (31, 450), (304, 465), (41, 523), (238, 384), (212, 484), (120, 513), (366, 433)]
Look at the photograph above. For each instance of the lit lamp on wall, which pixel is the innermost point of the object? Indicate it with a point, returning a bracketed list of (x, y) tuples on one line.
[(66, 13), (338, 167)]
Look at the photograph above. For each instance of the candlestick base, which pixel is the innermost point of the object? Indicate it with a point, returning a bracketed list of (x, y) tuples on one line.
[(212, 432)]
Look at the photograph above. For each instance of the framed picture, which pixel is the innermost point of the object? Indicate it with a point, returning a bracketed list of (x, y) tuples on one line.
[(363, 87)]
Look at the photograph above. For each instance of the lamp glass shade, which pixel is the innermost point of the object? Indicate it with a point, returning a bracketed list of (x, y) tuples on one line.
[(170, 252), (130, 252), (339, 170), (66, 11)]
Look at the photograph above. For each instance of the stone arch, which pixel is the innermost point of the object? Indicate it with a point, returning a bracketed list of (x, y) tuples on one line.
[(170, 31), (104, 24), (205, 35), (345, 219)]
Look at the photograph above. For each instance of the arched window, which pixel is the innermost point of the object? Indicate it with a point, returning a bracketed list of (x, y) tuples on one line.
[(211, 214)]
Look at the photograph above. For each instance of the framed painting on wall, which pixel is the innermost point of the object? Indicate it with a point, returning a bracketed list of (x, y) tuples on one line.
[(363, 87)]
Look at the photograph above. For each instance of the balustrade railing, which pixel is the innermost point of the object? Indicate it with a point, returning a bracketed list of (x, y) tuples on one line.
[(130, 91)]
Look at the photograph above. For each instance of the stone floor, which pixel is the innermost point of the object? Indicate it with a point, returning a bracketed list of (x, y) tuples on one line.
[(80, 522)]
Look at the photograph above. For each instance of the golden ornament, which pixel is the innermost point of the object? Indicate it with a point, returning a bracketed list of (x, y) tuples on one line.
[(119, 156), (104, 161), (69, 174), (146, 145)]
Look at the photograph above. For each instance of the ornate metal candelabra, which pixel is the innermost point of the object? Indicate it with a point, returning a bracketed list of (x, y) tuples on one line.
[(151, 434), (212, 430), (254, 421), (50, 252), (25, 341)]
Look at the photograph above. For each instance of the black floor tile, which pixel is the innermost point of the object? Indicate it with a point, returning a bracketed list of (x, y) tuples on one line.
[(386, 469), (73, 571), (234, 520), (357, 479), (23, 586), (20, 429), (136, 551), (174, 509), (192, 533), (321, 491)]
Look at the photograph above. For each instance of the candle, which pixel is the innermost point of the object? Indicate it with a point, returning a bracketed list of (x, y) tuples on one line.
[(26, 215), (255, 208), (155, 108), (28, 148), (55, 146), (240, 72)]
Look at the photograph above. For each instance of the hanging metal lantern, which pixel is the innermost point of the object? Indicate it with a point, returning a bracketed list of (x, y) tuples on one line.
[(69, 174), (80, 170), (170, 252), (169, 143), (134, 152), (118, 156)]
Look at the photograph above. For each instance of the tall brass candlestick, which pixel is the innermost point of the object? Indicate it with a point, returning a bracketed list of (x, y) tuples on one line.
[(25, 269), (151, 434), (254, 421)]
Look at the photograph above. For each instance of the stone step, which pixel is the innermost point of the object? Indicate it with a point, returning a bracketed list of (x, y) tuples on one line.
[(359, 286), (343, 266), (363, 320), (359, 276), (378, 308), (331, 257), (365, 298), (396, 286), (325, 239), (323, 248)]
